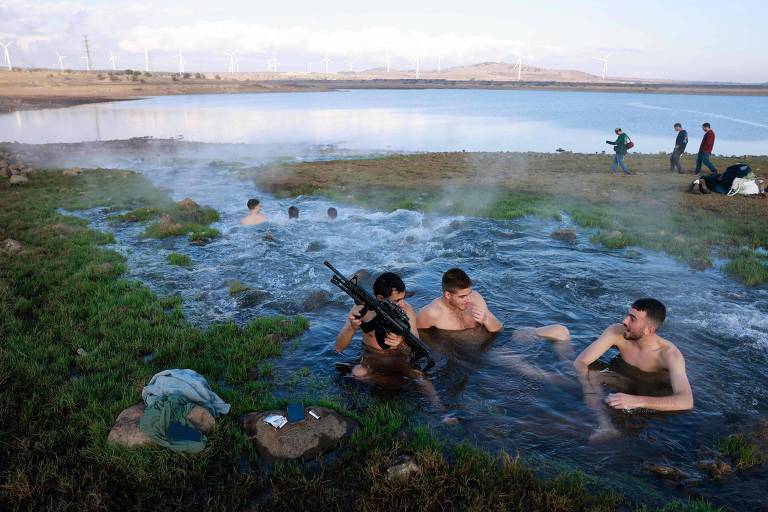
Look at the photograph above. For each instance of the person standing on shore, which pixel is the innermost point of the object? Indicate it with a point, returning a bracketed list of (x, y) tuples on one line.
[(705, 150), (620, 148), (680, 142)]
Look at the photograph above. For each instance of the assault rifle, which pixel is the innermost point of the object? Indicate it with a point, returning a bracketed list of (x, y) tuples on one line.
[(390, 315)]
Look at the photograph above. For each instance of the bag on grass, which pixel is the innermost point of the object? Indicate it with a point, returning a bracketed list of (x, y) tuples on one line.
[(743, 186)]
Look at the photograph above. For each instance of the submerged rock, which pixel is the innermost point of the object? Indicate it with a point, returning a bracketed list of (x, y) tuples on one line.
[(315, 246), (669, 472), (700, 264), (564, 234), (316, 300), (715, 468), (300, 440), (251, 297)]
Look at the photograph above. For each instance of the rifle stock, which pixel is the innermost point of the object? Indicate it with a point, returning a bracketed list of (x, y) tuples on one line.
[(390, 314)]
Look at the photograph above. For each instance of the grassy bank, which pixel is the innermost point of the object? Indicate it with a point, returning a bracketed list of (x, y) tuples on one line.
[(76, 336), (652, 209)]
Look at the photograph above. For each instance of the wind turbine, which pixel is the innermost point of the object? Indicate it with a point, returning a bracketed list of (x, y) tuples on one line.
[(146, 60), (7, 54), (236, 61), (605, 63), (272, 64), (439, 64), (113, 60), (387, 63), (181, 62), (351, 63), (87, 61), (231, 65), (326, 60), (310, 68), (519, 66), (61, 61), (417, 67)]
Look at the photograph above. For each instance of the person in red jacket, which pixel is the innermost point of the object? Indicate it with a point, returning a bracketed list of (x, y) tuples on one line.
[(705, 150)]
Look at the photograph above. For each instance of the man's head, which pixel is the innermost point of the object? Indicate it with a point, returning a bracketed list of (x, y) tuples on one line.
[(618, 131), (706, 127), (253, 204), (332, 213), (678, 127), (389, 286), (644, 318), (293, 212), (457, 288)]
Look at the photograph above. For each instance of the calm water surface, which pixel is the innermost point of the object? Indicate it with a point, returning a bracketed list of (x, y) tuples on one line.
[(412, 120)]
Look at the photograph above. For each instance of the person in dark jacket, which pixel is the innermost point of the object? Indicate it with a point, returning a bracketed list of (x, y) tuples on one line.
[(705, 150), (620, 148), (680, 142)]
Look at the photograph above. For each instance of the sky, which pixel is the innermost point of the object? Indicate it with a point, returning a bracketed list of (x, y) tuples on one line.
[(685, 40)]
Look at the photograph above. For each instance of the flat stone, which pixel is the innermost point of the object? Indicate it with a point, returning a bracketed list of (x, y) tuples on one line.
[(18, 179), (403, 469), (301, 440), (75, 171)]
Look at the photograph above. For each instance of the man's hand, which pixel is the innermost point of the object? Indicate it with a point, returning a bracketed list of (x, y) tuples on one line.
[(354, 321), (623, 401), (393, 340), (479, 313)]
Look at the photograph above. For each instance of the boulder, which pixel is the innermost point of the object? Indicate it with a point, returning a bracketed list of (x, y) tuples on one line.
[(615, 234), (27, 171), (75, 171), (316, 300), (188, 204), (301, 440), (564, 234), (669, 472), (18, 179), (715, 468), (11, 247), (126, 431), (5, 172), (403, 468)]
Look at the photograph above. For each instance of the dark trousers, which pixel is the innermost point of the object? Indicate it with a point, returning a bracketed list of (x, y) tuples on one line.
[(674, 160), (703, 158)]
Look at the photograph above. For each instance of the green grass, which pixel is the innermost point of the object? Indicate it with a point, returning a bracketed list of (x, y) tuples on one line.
[(75, 337), (181, 260), (742, 452)]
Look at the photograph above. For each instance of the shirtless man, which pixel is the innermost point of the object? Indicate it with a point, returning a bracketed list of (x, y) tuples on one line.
[(377, 363), (640, 347), (254, 216), (459, 308)]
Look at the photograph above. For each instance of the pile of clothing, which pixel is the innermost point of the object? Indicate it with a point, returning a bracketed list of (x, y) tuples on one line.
[(737, 179)]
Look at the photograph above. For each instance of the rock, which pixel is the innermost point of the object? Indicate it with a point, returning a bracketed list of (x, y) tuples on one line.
[(5, 172), (564, 234), (679, 238), (27, 171), (75, 171), (269, 237), (315, 246), (615, 234), (700, 264), (18, 179), (316, 300), (715, 468), (11, 247), (668, 472), (403, 468), (126, 431), (302, 440), (188, 204), (125, 174), (251, 297)]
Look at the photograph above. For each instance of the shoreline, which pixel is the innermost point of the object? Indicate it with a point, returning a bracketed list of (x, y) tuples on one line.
[(41, 89)]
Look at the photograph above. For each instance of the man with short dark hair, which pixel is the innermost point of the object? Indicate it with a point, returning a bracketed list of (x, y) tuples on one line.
[(705, 149), (385, 354), (643, 355), (254, 216), (460, 307), (680, 143)]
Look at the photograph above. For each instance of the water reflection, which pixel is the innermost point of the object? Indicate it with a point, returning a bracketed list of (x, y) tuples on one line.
[(424, 120)]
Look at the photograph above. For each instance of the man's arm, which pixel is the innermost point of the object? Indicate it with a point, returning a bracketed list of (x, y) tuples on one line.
[(681, 398), (344, 338), (611, 336), (483, 315)]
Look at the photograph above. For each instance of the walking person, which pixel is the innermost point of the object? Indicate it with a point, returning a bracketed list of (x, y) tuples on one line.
[(680, 142), (705, 150), (620, 148)]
